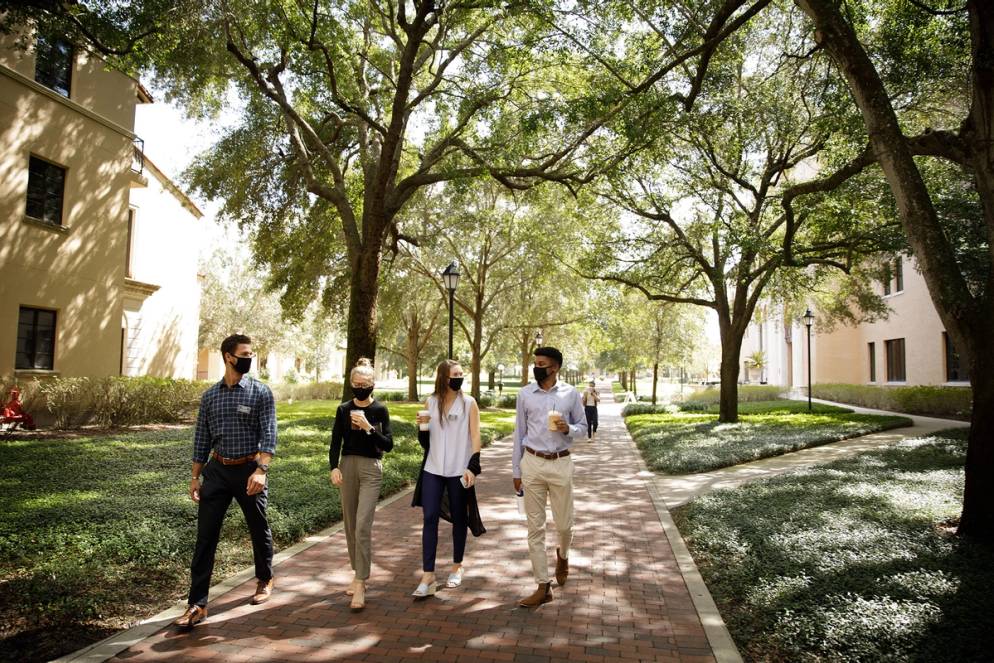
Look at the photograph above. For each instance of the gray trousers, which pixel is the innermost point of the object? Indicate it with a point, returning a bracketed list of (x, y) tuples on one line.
[(361, 479)]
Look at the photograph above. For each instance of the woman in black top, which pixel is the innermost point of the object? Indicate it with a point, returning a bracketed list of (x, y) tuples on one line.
[(360, 436)]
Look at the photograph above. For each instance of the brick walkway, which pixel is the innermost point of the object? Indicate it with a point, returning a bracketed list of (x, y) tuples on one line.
[(625, 599)]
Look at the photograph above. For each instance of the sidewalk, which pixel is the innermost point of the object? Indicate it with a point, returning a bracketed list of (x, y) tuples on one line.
[(626, 598), (676, 490)]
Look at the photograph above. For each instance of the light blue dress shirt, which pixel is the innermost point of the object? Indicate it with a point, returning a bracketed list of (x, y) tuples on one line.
[(531, 427)]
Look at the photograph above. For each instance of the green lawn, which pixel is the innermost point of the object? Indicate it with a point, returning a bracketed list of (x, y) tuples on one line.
[(98, 531), (677, 442), (852, 561)]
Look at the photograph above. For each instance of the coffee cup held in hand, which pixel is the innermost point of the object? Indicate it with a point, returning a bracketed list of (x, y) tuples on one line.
[(357, 415), (554, 417), (423, 416)]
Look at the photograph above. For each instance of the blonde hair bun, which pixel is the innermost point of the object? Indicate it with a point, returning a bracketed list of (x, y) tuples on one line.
[(363, 361)]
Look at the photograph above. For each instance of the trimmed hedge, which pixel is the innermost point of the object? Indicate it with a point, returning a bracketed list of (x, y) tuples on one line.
[(704, 398), (307, 391), (111, 401), (922, 400)]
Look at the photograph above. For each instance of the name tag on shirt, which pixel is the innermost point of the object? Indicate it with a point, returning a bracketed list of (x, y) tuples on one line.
[(244, 409)]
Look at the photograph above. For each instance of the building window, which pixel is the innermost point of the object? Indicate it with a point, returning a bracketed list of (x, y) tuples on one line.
[(899, 275), (955, 370), (35, 339), (53, 64), (46, 185), (128, 271), (887, 279), (873, 361), (895, 360)]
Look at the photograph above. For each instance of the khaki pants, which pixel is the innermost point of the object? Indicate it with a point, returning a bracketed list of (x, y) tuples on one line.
[(361, 478), (553, 480)]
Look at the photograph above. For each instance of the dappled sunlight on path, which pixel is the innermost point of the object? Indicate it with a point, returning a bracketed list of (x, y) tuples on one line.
[(626, 598)]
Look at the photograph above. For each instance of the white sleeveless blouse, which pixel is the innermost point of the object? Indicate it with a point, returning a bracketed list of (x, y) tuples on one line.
[(451, 447)]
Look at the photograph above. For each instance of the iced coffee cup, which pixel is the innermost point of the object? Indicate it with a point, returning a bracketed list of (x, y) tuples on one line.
[(554, 417), (423, 414)]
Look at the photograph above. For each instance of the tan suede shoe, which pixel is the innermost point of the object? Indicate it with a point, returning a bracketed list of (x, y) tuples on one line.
[(263, 590), (541, 595), (194, 615), (562, 569)]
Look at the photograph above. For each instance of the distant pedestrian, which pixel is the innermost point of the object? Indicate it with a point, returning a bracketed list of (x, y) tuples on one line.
[(590, 399), (449, 432), (233, 445), (359, 438), (549, 417)]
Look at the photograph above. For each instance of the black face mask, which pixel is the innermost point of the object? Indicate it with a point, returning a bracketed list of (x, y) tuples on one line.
[(242, 365), (540, 373), (455, 384), (362, 393)]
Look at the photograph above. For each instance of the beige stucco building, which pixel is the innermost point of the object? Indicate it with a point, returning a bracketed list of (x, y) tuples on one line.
[(98, 248), (908, 347)]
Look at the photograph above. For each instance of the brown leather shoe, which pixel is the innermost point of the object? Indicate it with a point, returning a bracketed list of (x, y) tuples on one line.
[(194, 615), (263, 590), (562, 569), (541, 595)]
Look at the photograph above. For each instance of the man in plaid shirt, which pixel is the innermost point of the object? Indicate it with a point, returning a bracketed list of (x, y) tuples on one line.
[(234, 442)]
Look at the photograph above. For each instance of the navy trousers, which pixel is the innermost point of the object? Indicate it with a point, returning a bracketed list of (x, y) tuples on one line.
[(432, 486), (591, 412)]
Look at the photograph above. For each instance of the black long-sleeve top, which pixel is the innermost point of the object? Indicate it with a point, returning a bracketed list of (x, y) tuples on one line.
[(348, 441)]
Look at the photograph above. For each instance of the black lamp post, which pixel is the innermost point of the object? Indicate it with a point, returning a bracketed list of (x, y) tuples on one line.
[(451, 278), (500, 379), (809, 320)]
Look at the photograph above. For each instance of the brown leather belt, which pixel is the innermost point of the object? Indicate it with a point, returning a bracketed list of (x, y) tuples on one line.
[(542, 454), (233, 461)]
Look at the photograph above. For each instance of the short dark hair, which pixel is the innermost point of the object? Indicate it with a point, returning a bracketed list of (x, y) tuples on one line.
[(552, 353), (230, 344)]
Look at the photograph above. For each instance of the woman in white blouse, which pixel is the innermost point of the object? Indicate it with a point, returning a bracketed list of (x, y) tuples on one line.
[(452, 444)]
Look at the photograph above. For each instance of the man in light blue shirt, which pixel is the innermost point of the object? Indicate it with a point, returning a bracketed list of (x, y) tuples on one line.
[(549, 417)]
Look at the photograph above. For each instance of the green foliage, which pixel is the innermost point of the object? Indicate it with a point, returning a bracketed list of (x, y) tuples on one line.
[(308, 391), (747, 393), (851, 561), (956, 402), (493, 400), (99, 530), (119, 401), (685, 443)]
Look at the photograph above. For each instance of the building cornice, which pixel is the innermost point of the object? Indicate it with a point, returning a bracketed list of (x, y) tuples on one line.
[(68, 103), (139, 289)]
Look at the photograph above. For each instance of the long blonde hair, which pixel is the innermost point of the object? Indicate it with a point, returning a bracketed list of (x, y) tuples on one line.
[(442, 374)]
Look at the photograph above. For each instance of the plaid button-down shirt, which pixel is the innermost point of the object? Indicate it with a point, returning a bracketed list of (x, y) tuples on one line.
[(235, 421)]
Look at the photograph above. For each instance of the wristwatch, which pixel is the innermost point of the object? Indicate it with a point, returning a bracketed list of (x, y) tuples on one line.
[(263, 466)]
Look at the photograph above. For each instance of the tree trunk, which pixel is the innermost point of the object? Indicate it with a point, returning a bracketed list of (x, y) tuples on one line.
[(362, 325), (977, 517), (526, 346), (412, 363), (728, 398), (655, 380), (476, 361), (632, 380), (967, 320)]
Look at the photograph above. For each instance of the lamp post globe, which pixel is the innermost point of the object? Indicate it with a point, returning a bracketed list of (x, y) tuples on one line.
[(450, 277)]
